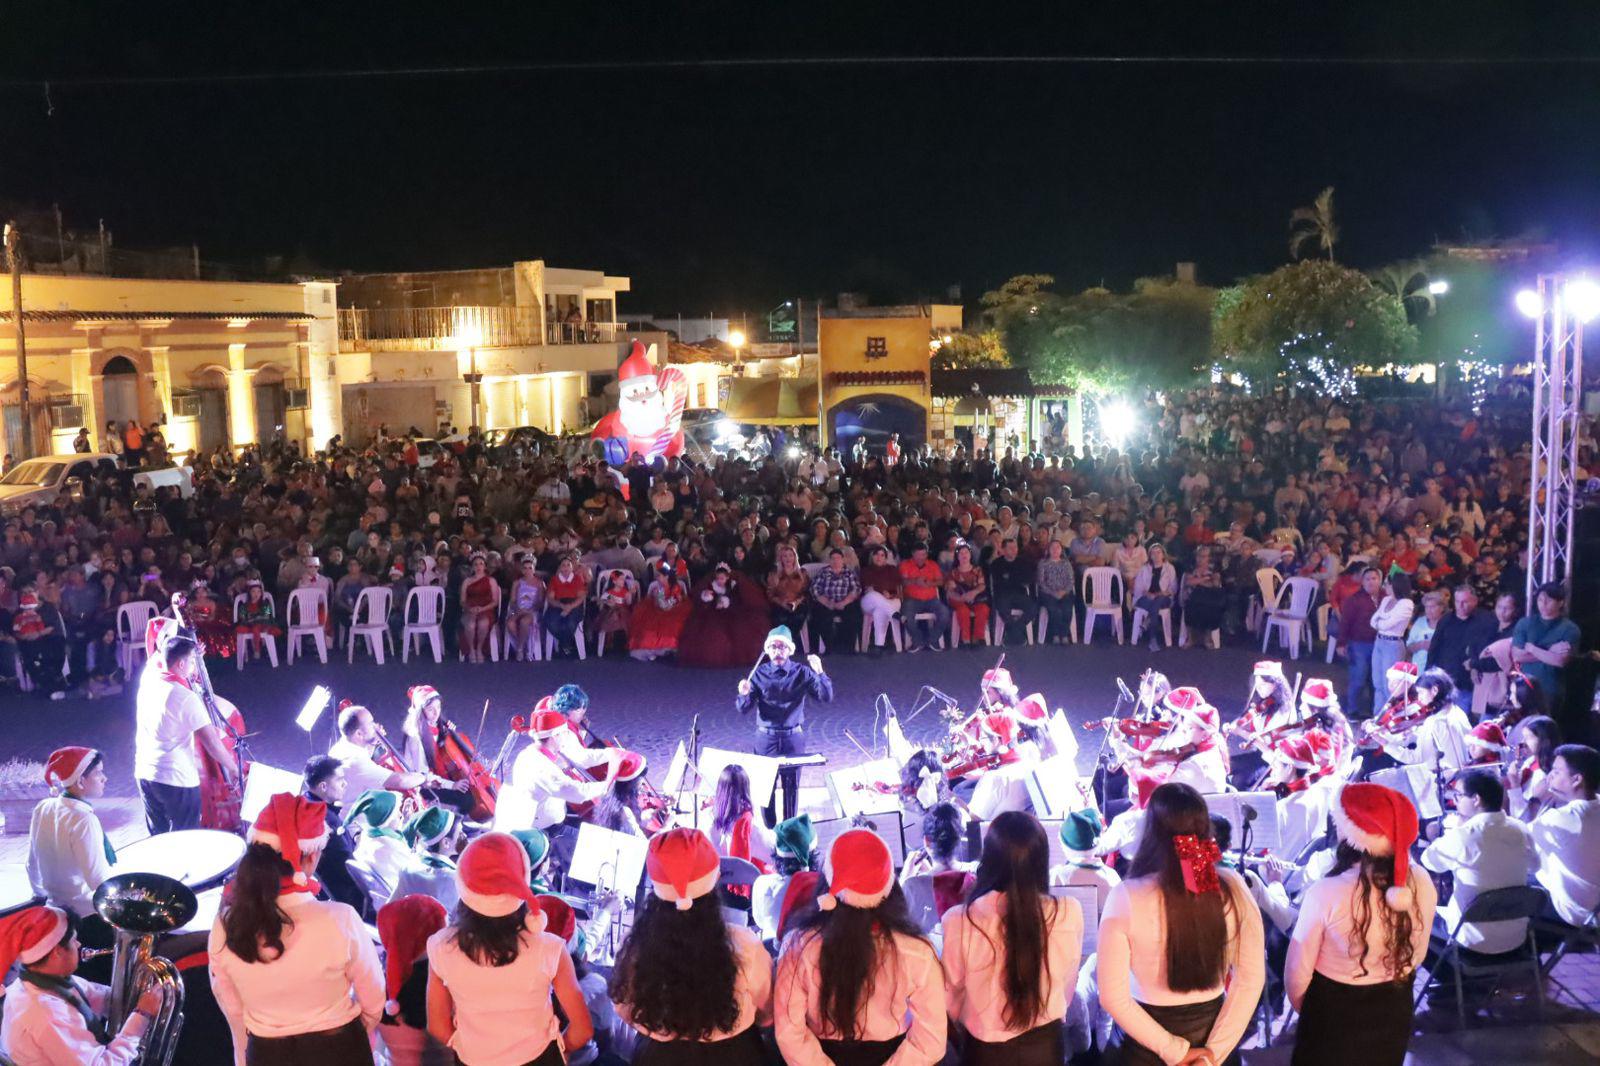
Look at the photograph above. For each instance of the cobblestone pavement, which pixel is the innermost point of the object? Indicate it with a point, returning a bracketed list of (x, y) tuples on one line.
[(648, 706)]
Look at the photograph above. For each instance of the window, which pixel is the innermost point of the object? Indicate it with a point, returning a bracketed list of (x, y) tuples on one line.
[(877, 347)]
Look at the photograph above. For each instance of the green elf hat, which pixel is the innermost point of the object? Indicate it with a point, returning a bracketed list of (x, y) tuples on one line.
[(536, 844), (1080, 830), (374, 808), (795, 837), (430, 826), (780, 633)]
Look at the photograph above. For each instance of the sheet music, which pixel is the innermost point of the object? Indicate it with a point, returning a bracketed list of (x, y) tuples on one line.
[(1415, 783), (609, 860), (763, 771), (1264, 830), (261, 784), (1063, 736), (1088, 897), (1056, 789), (849, 801), (676, 769)]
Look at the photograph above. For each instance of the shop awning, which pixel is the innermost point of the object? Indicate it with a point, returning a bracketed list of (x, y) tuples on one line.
[(772, 401)]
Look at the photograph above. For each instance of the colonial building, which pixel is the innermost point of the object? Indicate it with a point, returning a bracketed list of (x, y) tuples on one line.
[(224, 363), (501, 347), (874, 365)]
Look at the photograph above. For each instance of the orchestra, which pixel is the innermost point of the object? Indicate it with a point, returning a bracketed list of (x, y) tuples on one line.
[(399, 848)]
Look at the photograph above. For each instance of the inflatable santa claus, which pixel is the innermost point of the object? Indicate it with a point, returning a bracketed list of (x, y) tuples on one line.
[(649, 410)]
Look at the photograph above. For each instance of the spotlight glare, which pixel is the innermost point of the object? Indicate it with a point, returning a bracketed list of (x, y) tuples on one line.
[(1583, 298), (1528, 303)]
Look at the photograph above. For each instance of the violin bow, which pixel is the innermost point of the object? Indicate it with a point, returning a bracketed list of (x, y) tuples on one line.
[(482, 718)]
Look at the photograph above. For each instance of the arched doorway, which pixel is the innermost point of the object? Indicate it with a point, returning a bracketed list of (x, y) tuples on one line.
[(119, 391), (272, 405), (875, 417), (211, 414)]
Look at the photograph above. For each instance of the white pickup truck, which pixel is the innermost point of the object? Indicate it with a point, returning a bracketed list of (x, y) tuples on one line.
[(39, 481)]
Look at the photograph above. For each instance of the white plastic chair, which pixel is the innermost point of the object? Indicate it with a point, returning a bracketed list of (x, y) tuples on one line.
[(307, 608), (955, 629), (895, 633), (1044, 626), (1141, 618), (1268, 584), (1212, 637), (243, 642), (577, 642), (944, 639), (1102, 598), (370, 621), (1290, 615), (1325, 628), (602, 583), (423, 619), (132, 620)]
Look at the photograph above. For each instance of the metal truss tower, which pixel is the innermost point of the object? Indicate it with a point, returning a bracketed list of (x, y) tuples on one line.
[(1557, 407)]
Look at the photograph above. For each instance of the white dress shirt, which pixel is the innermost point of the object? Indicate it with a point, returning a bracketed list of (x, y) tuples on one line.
[(361, 771), (327, 976), (1324, 933), (907, 997), (1567, 839), (67, 853), (39, 1028), (1485, 852), (974, 965), (1132, 961), (166, 717), (503, 1014), (752, 988), (539, 791), (384, 855)]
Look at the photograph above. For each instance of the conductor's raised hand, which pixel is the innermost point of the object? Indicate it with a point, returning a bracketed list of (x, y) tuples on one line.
[(815, 663), (745, 688)]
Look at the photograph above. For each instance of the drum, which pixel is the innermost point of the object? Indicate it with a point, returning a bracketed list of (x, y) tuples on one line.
[(15, 891), (200, 858)]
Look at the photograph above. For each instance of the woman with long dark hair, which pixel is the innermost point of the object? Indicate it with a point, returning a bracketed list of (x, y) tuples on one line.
[(1011, 952), (1181, 958), (297, 978), (857, 982), (696, 988), (492, 973), (1361, 934), (1534, 740), (734, 826)]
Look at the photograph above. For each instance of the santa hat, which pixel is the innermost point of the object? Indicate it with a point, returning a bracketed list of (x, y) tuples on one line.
[(1033, 710), (546, 723), (1381, 822), (636, 370), (494, 876), (29, 935), (559, 918), (291, 825), (860, 871), (1488, 737), (420, 695), (67, 766), (430, 826), (802, 889), (632, 766), (158, 633), (375, 807), (28, 602), (683, 866), (404, 926), (1268, 668), (779, 634), (1403, 669), (1001, 726), (999, 678), (1318, 693), (1188, 703)]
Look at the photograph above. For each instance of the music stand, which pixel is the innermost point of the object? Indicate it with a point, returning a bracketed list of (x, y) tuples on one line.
[(1056, 789), (261, 784), (855, 795), (761, 769), (1253, 817)]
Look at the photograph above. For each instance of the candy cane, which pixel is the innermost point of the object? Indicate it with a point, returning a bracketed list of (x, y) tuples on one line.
[(670, 378)]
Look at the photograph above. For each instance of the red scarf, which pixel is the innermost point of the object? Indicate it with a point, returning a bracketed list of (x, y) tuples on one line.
[(168, 675)]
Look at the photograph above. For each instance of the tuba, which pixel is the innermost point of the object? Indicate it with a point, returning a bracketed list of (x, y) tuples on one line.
[(139, 906)]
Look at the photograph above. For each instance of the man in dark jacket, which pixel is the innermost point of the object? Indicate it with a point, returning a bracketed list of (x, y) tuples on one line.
[(777, 690), (324, 782), (1459, 639)]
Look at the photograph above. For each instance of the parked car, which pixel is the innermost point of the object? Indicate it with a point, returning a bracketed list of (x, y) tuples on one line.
[(41, 480)]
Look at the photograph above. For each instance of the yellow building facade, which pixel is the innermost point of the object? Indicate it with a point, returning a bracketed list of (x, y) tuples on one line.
[(221, 363), (874, 369)]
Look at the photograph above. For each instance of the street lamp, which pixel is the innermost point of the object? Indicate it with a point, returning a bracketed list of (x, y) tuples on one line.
[(1438, 288), (736, 338)]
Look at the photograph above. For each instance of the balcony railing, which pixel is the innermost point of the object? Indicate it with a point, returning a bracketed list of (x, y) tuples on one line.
[(454, 328)]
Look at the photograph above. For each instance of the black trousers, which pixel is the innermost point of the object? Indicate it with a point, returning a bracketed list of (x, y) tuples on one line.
[(1326, 1035), (1192, 1021), (169, 807), (776, 742), (460, 802), (345, 1046), (550, 1056), (837, 629), (861, 1052)]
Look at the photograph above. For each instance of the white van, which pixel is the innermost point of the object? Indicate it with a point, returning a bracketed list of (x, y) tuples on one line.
[(39, 481)]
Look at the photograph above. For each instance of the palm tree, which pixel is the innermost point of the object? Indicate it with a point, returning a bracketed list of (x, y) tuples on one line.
[(1408, 282), (1314, 224)]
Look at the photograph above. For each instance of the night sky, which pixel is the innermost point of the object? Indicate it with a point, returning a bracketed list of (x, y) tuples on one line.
[(723, 187)]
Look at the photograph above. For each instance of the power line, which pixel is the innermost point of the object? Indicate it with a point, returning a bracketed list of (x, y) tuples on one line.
[(769, 62)]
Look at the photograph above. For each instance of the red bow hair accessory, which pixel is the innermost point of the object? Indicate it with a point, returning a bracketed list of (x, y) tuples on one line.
[(1199, 859)]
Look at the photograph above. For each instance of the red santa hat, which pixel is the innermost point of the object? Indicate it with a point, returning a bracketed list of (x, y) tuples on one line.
[(494, 875), (559, 918), (29, 935), (633, 766), (683, 866), (1268, 668), (802, 889), (546, 722), (636, 371), (1403, 669), (28, 602), (404, 926), (1487, 737), (292, 825), (158, 633), (1318, 693), (1381, 822), (860, 870), (999, 678), (1188, 703), (419, 695), (1033, 710), (66, 767)]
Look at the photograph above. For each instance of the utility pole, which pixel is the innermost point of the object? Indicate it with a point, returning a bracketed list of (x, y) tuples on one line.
[(14, 259)]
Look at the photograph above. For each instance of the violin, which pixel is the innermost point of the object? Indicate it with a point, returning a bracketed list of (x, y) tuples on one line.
[(458, 760), (656, 808)]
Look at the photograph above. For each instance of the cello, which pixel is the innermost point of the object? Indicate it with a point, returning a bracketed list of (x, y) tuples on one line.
[(458, 761), (220, 800)]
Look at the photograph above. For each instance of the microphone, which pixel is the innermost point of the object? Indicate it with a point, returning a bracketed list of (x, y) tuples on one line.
[(942, 696), (1123, 688), (1247, 812)]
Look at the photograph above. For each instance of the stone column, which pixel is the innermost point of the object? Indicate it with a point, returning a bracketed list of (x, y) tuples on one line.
[(241, 398)]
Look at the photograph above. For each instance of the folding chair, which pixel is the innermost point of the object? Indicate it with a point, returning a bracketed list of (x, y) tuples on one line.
[(1496, 905)]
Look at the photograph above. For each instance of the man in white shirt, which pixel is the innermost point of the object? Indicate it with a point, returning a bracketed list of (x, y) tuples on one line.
[(169, 718), (543, 782), (68, 855), (357, 735), (1488, 850), (1567, 834)]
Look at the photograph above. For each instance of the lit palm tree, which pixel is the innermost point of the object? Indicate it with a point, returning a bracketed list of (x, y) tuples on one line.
[(1408, 282), (1314, 224)]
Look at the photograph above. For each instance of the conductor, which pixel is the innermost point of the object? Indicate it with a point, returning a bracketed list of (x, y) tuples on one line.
[(777, 689)]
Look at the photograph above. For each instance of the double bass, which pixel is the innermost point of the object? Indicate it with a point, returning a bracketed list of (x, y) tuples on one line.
[(220, 799)]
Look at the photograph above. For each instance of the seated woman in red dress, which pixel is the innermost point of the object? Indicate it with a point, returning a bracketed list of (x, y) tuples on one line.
[(727, 621), (659, 615), (480, 606)]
